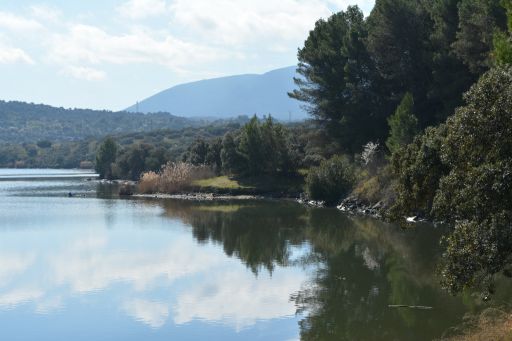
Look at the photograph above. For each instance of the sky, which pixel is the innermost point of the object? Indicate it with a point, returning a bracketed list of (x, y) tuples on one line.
[(108, 54)]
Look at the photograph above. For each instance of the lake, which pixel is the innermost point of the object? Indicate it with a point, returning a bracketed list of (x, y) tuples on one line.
[(97, 267)]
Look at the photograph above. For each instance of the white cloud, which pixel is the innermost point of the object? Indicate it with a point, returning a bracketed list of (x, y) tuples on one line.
[(154, 314), (95, 267), (236, 299), (12, 22), (12, 264), (11, 55), (45, 13), (84, 73), (89, 44), (15, 297), (140, 9), (247, 22)]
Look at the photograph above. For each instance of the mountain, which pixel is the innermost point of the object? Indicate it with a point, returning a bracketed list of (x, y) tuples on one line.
[(26, 122), (230, 97)]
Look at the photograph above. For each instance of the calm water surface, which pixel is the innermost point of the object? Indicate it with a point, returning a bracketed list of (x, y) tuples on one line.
[(96, 267)]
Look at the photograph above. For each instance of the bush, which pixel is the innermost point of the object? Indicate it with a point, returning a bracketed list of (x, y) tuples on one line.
[(376, 188), (418, 169), (173, 178), (149, 182), (330, 181), (461, 172)]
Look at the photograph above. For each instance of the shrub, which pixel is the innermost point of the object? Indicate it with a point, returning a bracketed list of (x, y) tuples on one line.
[(173, 178), (418, 169), (461, 172), (330, 181), (149, 182)]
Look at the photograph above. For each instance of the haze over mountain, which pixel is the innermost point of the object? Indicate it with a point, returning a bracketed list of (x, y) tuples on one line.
[(229, 97)]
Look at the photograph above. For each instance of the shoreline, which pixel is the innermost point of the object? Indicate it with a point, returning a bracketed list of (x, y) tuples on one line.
[(200, 196)]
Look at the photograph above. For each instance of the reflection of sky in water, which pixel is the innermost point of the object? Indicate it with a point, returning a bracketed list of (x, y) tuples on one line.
[(6, 173), (85, 268)]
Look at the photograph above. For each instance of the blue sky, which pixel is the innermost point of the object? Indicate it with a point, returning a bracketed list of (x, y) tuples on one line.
[(107, 54)]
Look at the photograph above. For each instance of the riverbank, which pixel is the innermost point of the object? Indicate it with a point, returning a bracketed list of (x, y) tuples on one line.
[(199, 196), (491, 324)]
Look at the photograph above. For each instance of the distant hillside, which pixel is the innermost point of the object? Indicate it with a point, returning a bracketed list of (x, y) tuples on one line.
[(23, 122), (230, 97)]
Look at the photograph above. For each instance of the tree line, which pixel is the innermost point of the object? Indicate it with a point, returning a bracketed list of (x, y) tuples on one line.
[(431, 81), (410, 107)]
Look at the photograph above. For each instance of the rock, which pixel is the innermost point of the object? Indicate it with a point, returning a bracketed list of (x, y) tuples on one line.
[(412, 219), (377, 205)]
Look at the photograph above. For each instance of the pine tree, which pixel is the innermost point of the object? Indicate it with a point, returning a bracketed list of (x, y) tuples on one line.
[(403, 124)]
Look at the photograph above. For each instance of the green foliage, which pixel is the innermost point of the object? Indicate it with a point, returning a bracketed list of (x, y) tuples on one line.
[(399, 42), (502, 48), (462, 173), (478, 151), (403, 124), (337, 80), (330, 181), (197, 153), (258, 148), (105, 158), (138, 158), (450, 76), (503, 41), (24, 122), (231, 160), (476, 250), (478, 20), (264, 148), (418, 168), (251, 147), (355, 71)]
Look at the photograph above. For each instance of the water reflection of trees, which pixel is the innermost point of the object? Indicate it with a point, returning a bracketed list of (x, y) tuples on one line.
[(366, 266), (360, 266), (260, 236)]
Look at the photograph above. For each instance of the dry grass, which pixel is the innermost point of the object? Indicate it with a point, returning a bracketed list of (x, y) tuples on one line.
[(492, 324), (149, 183), (174, 177)]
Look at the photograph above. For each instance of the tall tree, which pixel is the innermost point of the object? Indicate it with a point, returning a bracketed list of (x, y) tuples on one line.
[(231, 160), (403, 125), (105, 158), (399, 42), (478, 20), (450, 76), (337, 80), (250, 147)]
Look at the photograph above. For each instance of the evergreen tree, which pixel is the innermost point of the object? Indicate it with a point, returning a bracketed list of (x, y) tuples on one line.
[(230, 158), (337, 81), (399, 41), (450, 76), (213, 156), (502, 40), (478, 20), (403, 124), (251, 147), (105, 158)]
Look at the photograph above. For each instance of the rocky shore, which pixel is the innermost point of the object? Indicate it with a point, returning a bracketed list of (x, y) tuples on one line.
[(355, 205)]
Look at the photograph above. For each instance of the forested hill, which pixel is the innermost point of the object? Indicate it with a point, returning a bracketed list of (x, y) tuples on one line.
[(230, 96), (23, 122)]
